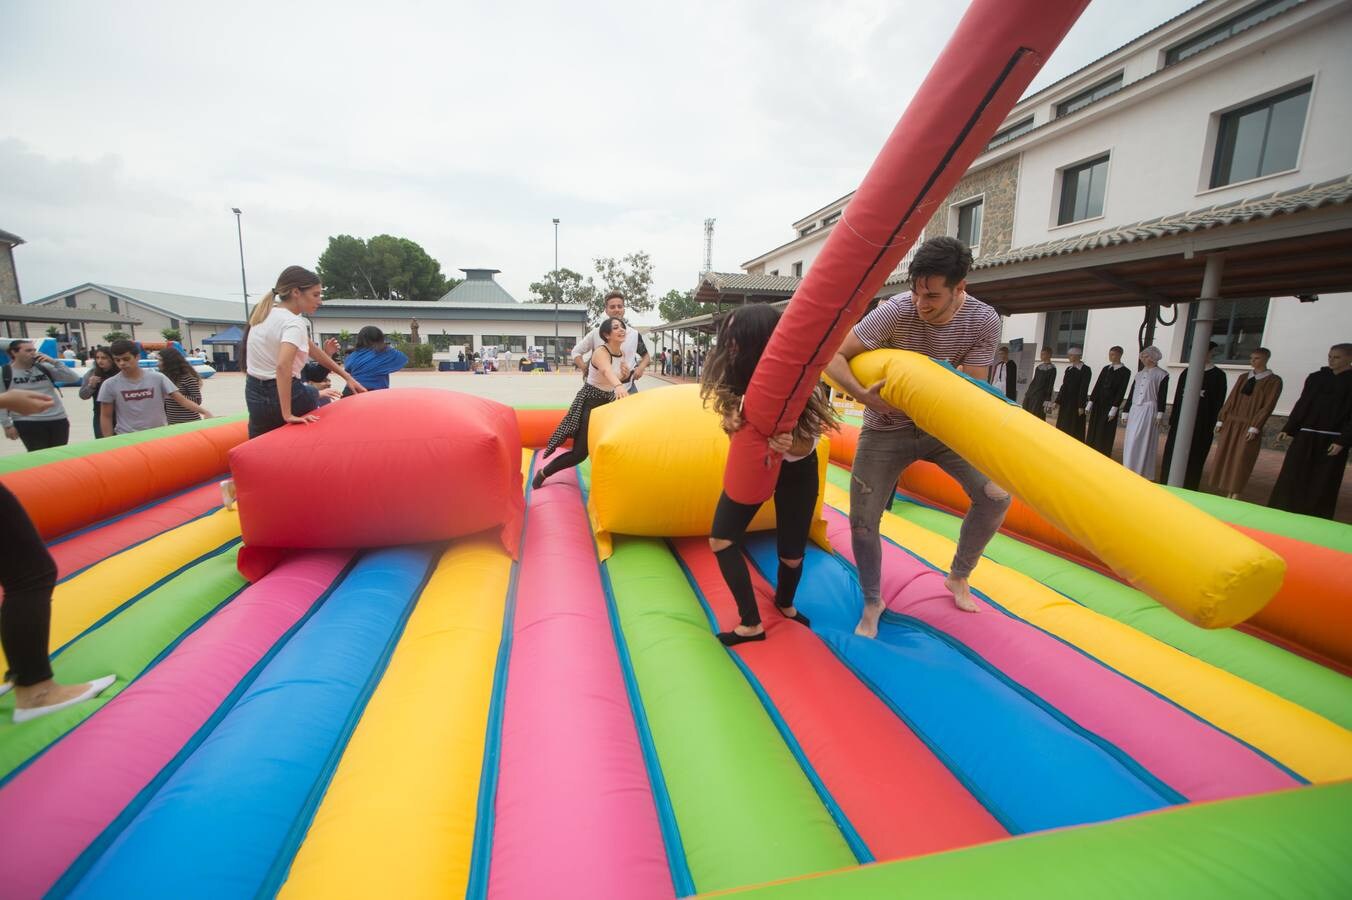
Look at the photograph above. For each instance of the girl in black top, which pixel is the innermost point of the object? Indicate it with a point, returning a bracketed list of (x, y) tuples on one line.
[(727, 372), (102, 369)]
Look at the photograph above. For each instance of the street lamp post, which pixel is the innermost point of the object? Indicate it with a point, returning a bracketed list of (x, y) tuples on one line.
[(239, 229), (557, 290)]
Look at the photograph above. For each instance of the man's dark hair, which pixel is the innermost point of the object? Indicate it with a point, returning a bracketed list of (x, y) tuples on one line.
[(1345, 348), (946, 257), (1267, 354), (1117, 348), (611, 295), (121, 347), (15, 345)]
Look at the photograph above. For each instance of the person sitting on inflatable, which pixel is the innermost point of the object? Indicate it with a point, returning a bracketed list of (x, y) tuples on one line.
[(372, 361)]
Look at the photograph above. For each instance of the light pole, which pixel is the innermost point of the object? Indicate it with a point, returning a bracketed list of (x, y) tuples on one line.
[(557, 290), (239, 229)]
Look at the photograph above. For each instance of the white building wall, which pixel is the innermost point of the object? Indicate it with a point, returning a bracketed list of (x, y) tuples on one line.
[(475, 327)]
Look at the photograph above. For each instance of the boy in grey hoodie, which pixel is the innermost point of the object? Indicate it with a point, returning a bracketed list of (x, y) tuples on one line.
[(34, 371)]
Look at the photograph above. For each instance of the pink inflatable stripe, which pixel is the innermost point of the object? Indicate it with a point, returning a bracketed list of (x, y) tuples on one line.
[(70, 794), (574, 814), (98, 544), (1198, 761)]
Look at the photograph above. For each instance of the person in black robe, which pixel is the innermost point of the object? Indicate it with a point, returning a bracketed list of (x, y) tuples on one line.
[(1104, 402), (1073, 396), (1005, 375), (1320, 429), (1038, 399), (1204, 429)]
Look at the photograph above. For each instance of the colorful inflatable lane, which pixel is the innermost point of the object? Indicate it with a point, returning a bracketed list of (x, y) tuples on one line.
[(439, 720)]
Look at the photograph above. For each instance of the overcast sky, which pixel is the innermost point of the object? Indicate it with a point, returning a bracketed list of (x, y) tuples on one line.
[(131, 128)]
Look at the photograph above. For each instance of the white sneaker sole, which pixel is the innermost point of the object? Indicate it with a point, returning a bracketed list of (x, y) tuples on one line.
[(96, 687)]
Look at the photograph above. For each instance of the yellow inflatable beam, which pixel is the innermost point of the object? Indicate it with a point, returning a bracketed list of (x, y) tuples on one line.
[(1202, 569), (657, 462), (1303, 741), (398, 817), (79, 602)]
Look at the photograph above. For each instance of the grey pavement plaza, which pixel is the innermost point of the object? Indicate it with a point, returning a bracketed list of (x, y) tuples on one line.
[(223, 394)]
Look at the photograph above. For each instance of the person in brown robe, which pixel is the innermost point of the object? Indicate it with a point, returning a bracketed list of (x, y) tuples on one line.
[(1239, 433)]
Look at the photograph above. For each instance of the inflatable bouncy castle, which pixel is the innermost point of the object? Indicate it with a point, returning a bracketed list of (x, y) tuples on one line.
[(397, 670)]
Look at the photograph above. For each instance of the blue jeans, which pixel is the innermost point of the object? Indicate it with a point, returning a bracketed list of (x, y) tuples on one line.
[(265, 409)]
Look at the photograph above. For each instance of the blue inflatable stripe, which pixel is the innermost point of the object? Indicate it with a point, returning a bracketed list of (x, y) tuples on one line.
[(848, 831), (222, 822), (1029, 767)]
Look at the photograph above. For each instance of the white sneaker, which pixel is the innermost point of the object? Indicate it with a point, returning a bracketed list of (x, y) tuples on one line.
[(228, 493), (95, 687), (5, 688)]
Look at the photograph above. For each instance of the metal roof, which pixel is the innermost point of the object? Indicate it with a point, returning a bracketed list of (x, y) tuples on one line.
[(176, 306), (478, 289), (8, 238)]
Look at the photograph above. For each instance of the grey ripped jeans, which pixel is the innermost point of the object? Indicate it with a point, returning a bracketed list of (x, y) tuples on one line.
[(879, 460)]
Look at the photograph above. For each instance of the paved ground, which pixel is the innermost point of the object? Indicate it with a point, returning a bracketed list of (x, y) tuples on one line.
[(223, 394)]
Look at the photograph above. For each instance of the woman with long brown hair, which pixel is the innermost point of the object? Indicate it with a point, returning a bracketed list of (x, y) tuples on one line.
[(177, 369), (278, 346), (101, 368), (727, 372)]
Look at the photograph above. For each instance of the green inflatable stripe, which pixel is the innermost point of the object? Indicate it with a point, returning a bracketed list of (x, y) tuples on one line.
[(126, 645), (1287, 844), (1285, 674), (89, 448), (1312, 530), (746, 811)]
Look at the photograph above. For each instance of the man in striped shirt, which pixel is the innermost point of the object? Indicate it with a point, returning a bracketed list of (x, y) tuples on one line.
[(937, 318)]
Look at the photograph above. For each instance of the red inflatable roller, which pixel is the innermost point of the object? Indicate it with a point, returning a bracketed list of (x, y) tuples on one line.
[(997, 49), (536, 426), (392, 467)]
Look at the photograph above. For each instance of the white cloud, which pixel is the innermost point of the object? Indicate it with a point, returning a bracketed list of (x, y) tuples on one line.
[(132, 128)]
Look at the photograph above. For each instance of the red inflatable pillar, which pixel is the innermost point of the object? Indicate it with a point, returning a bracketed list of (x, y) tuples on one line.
[(997, 49)]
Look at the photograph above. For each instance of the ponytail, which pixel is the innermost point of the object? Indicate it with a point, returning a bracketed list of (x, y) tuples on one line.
[(262, 309)]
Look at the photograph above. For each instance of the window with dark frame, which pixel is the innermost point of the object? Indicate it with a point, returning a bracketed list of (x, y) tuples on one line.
[(1261, 138), (173, 323), (831, 219), (1226, 29), (969, 223), (1018, 129), (112, 305), (1238, 328), (1089, 95), (798, 270), (1065, 329), (1082, 191), (70, 301)]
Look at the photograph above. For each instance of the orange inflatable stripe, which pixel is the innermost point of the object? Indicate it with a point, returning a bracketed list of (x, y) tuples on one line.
[(1300, 615), (70, 494), (537, 425)]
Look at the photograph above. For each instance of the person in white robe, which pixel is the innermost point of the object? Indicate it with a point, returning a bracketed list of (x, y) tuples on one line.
[(1143, 414)]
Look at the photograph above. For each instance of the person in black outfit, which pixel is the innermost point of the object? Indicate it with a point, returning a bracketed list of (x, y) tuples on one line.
[(605, 384), (1073, 396), (1204, 429), (1105, 401), (27, 575), (1320, 430), (727, 372), (1038, 400), (1005, 374), (102, 369)]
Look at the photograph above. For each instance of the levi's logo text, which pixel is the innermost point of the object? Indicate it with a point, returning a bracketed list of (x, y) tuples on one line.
[(138, 394)]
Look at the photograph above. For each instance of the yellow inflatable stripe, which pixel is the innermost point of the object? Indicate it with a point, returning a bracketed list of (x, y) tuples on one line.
[(1303, 741), (398, 817), (526, 455), (1200, 568), (79, 602)]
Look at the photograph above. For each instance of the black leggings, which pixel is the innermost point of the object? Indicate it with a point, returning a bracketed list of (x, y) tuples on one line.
[(28, 574), (795, 497), (576, 455), (39, 434)]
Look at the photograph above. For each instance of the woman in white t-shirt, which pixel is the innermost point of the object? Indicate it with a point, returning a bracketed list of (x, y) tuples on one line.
[(278, 347)]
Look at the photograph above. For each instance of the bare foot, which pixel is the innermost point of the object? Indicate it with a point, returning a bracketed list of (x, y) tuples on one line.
[(962, 594), (868, 620)]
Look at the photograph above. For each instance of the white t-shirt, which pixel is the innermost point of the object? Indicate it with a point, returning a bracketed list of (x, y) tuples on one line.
[(265, 343)]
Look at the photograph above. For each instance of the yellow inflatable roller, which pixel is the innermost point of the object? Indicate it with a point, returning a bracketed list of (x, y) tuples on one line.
[(1202, 569), (82, 600), (657, 461), (398, 817), (1305, 742)]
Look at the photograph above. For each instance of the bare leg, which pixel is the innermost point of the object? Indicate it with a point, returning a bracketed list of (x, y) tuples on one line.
[(868, 619)]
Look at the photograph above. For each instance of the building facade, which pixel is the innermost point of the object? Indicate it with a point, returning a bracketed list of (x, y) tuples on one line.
[(195, 318), (1222, 107)]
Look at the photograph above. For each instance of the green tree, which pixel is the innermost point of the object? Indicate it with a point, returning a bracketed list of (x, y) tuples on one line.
[(565, 286), (633, 274), (171, 334), (384, 268), (676, 305), (116, 336), (53, 331)]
